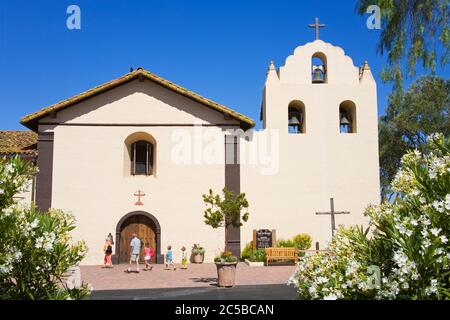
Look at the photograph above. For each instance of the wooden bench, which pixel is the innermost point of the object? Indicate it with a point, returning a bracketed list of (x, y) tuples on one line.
[(278, 254)]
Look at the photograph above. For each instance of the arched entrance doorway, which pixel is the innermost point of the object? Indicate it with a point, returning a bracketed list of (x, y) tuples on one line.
[(147, 228)]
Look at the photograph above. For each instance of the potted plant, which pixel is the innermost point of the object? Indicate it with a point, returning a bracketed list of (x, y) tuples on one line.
[(225, 212), (197, 254), (226, 269)]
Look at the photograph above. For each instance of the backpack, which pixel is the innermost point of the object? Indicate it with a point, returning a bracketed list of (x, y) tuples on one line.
[(109, 250)]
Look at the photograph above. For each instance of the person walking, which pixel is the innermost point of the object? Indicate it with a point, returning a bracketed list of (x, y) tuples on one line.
[(183, 258), (169, 259), (149, 253), (135, 251), (107, 249)]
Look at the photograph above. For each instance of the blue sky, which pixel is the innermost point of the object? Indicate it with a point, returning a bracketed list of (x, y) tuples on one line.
[(220, 49)]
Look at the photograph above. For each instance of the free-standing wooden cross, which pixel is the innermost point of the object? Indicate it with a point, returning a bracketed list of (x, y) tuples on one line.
[(332, 213), (139, 194), (316, 25)]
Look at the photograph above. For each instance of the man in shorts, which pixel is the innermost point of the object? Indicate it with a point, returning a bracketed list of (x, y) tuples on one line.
[(135, 251)]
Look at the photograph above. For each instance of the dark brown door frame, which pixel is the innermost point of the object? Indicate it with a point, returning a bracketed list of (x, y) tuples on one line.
[(159, 257)]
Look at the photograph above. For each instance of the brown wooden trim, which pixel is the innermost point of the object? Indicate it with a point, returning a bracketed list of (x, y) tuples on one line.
[(158, 255), (232, 183), (137, 124), (45, 175)]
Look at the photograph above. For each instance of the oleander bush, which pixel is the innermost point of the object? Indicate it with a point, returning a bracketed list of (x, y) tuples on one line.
[(404, 253), (35, 247)]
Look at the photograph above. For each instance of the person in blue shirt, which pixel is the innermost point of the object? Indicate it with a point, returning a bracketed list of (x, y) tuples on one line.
[(135, 251), (169, 258)]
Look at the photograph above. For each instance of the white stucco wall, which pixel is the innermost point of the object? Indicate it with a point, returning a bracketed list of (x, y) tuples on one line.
[(88, 175)]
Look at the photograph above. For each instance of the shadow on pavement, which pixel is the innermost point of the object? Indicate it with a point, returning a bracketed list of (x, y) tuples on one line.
[(257, 292)]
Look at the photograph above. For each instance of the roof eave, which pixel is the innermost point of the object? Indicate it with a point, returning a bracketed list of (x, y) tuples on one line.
[(31, 121)]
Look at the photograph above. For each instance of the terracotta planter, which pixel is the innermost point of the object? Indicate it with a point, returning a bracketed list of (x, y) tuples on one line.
[(226, 273), (198, 258)]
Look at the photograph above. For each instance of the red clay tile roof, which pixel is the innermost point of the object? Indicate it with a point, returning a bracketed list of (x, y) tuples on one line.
[(18, 142), (31, 120)]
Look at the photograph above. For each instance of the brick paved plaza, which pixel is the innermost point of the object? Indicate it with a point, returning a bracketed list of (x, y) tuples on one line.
[(197, 276)]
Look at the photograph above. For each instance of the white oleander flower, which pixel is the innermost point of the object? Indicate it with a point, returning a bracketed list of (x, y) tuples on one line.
[(34, 224), (444, 239), (321, 280), (426, 243), (447, 201), (432, 288), (9, 168), (435, 231), (439, 206)]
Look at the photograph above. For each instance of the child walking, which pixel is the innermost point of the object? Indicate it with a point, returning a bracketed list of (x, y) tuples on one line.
[(107, 249), (149, 254), (169, 258), (183, 258)]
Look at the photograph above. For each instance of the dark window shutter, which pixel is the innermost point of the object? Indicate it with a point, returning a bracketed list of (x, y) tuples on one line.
[(133, 159), (150, 159)]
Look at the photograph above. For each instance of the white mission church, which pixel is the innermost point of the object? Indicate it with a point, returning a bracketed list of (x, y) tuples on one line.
[(110, 156)]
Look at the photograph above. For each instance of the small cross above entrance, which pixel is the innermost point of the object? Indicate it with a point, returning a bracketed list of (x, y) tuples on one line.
[(139, 194), (332, 213), (317, 25)]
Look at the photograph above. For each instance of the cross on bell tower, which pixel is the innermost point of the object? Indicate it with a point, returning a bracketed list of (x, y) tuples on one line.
[(317, 25)]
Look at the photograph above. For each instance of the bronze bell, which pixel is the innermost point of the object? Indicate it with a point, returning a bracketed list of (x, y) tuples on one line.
[(294, 125), (294, 121), (344, 120), (318, 75)]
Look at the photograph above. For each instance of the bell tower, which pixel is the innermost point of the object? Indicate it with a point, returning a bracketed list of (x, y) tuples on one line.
[(324, 109)]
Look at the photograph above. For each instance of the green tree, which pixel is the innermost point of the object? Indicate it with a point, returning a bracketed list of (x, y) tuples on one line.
[(422, 110), (36, 249), (225, 211), (413, 31)]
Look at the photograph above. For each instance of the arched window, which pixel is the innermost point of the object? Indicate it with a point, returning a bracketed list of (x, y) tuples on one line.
[(142, 158), (140, 155), (296, 117), (347, 117), (319, 68)]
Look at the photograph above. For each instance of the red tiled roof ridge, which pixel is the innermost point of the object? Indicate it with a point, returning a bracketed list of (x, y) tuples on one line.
[(31, 119)]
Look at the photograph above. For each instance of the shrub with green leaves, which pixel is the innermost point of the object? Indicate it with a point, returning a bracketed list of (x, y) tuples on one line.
[(302, 241), (247, 251), (404, 253), (258, 256), (285, 243), (36, 249)]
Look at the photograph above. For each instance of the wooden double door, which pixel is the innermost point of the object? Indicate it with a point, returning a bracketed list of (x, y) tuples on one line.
[(145, 230)]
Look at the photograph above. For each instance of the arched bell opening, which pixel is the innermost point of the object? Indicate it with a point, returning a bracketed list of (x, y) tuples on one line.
[(296, 117), (319, 70), (347, 117)]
